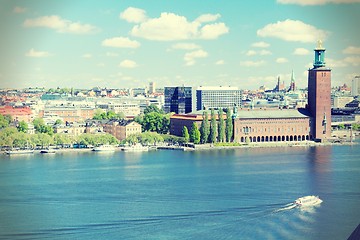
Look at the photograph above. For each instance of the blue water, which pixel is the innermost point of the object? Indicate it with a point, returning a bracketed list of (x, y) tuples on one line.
[(220, 194)]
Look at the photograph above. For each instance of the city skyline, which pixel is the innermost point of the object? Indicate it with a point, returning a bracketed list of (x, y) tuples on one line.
[(131, 43)]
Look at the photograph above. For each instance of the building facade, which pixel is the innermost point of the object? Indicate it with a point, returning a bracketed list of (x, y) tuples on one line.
[(217, 97), (178, 99), (122, 129), (355, 86), (319, 96), (271, 126)]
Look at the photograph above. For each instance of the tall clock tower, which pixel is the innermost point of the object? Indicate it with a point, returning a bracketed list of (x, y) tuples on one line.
[(319, 96)]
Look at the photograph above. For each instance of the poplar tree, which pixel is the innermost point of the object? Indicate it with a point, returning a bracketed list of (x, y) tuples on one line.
[(213, 127), (194, 134), (229, 126), (185, 134), (204, 128), (221, 127)]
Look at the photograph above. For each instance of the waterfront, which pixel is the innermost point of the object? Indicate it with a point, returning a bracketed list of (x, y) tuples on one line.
[(219, 194)]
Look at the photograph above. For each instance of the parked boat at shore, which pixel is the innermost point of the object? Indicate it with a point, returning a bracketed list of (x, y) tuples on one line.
[(44, 151), (135, 148), (104, 148), (19, 151)]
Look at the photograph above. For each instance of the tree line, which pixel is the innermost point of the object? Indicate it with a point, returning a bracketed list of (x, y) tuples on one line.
[(215, 131)]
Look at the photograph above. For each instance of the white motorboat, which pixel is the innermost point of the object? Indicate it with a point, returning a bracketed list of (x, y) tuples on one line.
[(19, 151), (135, 148), (104, 148), (308, 201)]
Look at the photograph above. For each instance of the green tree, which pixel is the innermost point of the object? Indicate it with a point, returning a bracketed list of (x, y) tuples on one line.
[(213, 127), (204, 128), (165, 124), (356, 126), (20, 140), (5, 120), (341, 126), (58, 122), (22, 127), (229, 126), (194, 134), (152, 122), (101, 115), (185, 134), (44, 139), (153, 108), (221, 126)]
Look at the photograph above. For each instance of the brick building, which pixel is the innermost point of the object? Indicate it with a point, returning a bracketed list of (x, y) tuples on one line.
[(18, 113), (271, 125), (121, 129)]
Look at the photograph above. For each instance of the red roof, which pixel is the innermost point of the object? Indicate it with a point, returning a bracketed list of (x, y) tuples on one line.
[(17, 111)]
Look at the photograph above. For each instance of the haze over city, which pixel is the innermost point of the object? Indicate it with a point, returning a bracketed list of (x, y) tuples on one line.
[(122, 44)]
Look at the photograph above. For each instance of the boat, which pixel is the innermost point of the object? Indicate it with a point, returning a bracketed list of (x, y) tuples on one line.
[(19, 151), (43, 151), (135, 148), (104, 148), (308, 201)]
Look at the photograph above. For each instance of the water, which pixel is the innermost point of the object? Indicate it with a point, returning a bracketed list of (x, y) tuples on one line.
[(221, 194)]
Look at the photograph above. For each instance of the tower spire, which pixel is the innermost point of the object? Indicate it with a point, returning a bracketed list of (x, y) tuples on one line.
[(319, 60)]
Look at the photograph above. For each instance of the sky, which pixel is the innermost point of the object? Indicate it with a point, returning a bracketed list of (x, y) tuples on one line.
[(130, 43)]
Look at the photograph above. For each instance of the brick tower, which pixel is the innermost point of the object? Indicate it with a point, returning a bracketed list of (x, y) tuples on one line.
[(319, 97)]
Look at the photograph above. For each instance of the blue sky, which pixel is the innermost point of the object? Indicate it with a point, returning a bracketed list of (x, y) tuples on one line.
[(121, 44)]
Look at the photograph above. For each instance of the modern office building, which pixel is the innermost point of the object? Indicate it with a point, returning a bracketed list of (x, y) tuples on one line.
[(217, 97), (178, 99), (152, 88), (355, 87)]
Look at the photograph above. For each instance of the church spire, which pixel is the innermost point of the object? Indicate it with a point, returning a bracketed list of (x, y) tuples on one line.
[(319, 60)]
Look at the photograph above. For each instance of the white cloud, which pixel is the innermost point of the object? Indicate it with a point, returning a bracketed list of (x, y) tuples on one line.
[(185, 46), (251, 53), (281, 60), (18, 9), (87, 55), (220, 62), (265, 52), (171, 27), (262, 53), (354, 61), (213, 31), (112, 54), (208, 18), (38, 54), (260, 44), (332, 63), (191, 56), (316, 2), (60, 25), (120, 42), (301, 51), (133, 15), (293, 30), (252, 63), (352, 50), (128, 64)]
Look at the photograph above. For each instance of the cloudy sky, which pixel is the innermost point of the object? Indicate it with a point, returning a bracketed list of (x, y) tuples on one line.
[(120, 44)]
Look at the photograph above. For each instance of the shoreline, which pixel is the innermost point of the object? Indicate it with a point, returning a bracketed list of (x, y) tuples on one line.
[(207, 147), (273, 145)]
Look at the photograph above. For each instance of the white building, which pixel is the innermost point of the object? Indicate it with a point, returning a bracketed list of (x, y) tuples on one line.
[(355, 88), (217, 97)]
